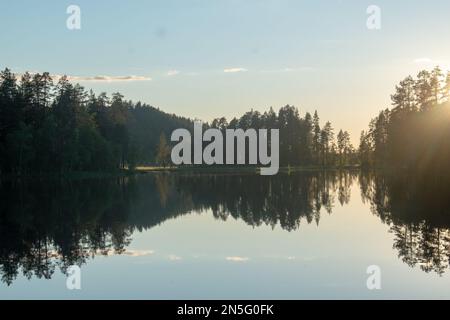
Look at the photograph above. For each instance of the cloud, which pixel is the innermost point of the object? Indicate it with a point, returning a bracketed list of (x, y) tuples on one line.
[(287, 69), (56, 77), (111, 252), (138, 253), (237, 259), (429, 62), (423, 60), (172, 73), (173, 257), (234, 70), (304, 259), (109, 78)]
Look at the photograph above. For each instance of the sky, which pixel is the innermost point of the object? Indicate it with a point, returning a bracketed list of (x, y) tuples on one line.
[(211, 58)]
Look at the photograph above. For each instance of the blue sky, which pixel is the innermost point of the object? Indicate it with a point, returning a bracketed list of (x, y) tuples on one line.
[(312, 54)]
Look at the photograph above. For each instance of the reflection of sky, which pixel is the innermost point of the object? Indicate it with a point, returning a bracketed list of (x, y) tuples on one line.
[(197, 256)]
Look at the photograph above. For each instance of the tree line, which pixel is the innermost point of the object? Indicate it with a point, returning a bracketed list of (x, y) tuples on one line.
[(415, 133), (57, 126), (303, 142), (52, 125)]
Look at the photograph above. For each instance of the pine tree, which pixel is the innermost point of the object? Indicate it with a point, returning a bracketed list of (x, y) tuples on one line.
[(423, 90), (435, 84), (316, 144)]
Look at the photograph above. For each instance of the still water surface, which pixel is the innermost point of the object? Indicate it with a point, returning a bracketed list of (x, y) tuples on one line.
[(203, 236)]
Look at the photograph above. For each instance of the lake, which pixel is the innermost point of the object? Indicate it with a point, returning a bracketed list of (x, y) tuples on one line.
[(309, 235)]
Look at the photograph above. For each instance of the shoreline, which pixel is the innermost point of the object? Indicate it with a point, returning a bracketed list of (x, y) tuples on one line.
[(181, 169)]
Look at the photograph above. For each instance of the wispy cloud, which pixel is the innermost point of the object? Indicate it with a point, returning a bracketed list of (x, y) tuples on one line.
[(173, 257), (430, 62), (287, 69), (304, 259), (234, 70), (237, 259), (423, 60), (172, 73), (138, 253), (99, 78), (109, 78), (112, 252)]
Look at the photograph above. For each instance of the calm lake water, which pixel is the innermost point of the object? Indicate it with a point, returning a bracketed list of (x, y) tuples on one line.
[(203, 236)]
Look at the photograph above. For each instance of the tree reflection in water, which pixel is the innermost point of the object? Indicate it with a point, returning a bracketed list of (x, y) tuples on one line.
[(50, 225), (418, 213)]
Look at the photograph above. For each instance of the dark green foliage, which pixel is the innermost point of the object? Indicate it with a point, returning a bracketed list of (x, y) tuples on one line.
[(415, 134), (146, 124), (59, 127), (47, 127), (302, 142)]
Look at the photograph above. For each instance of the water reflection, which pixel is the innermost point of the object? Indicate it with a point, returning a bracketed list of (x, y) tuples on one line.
[(47, 226), (418, 213)]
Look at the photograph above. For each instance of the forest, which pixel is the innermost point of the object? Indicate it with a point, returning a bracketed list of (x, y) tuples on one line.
[(50, 125), (59, 127), (414, 135)]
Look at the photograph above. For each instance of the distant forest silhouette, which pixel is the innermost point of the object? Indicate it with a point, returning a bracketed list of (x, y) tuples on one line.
[(59, 127), (49, 226)]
